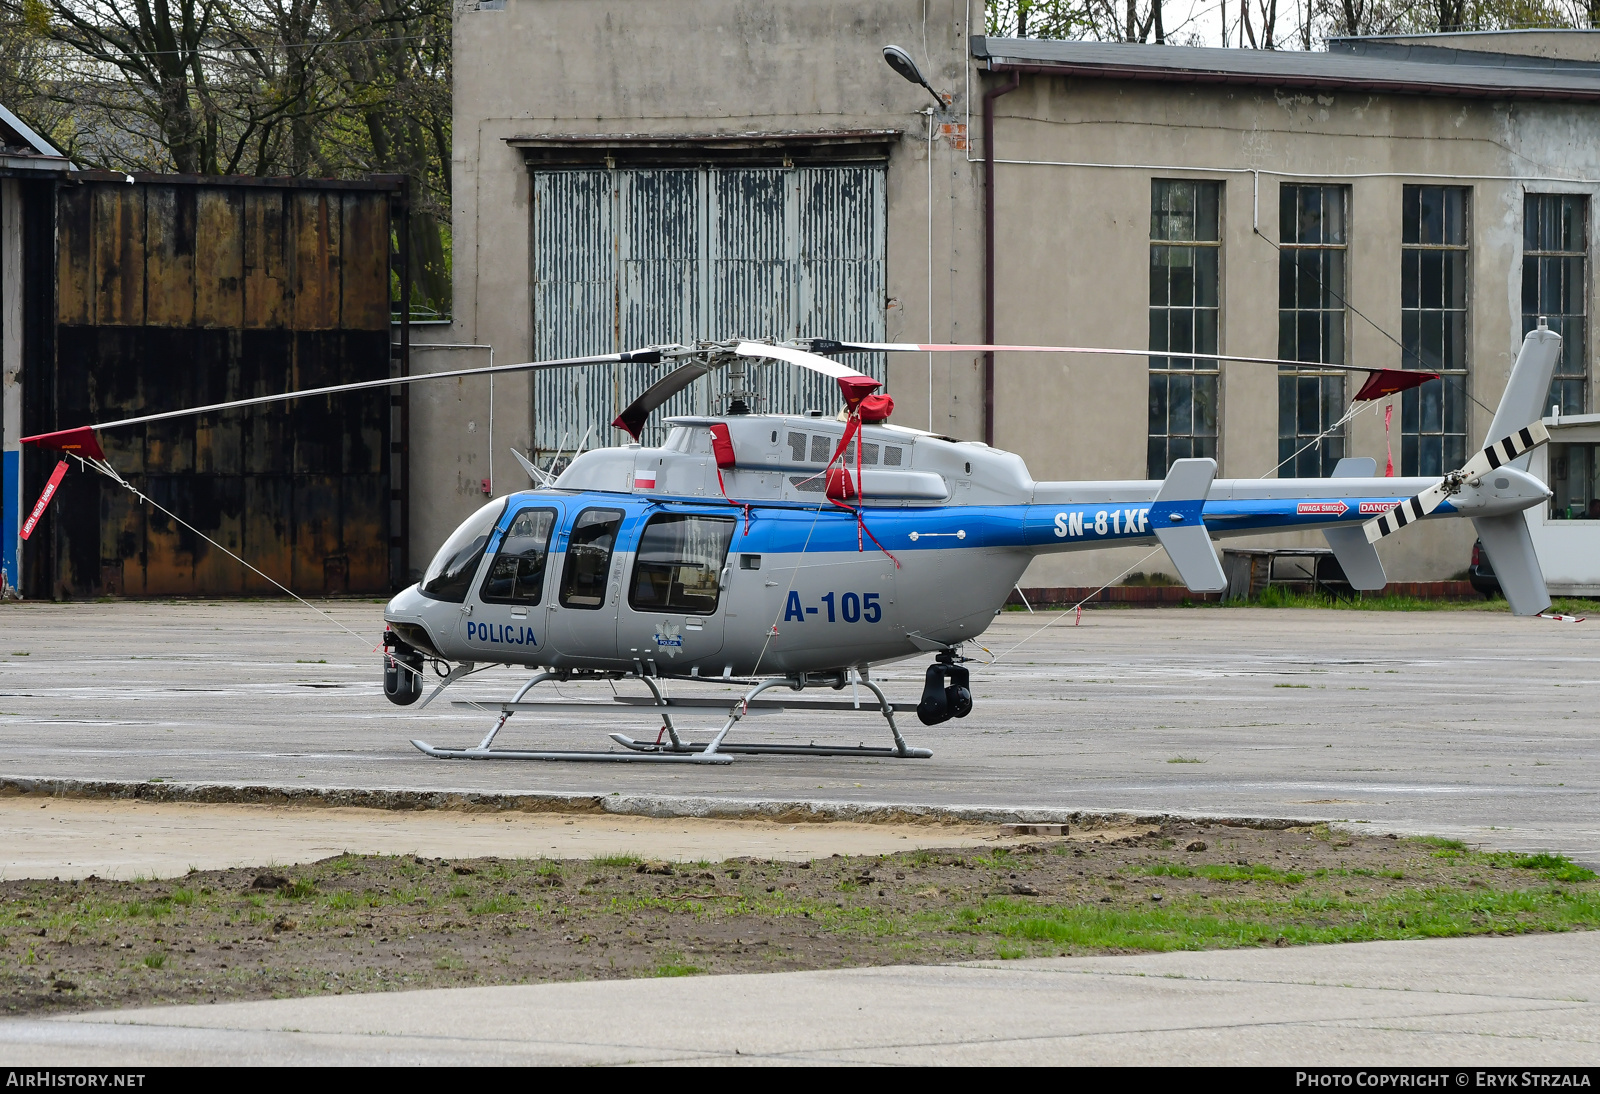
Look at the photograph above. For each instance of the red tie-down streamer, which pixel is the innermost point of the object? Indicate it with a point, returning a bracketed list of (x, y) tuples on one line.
[(840, 486), (722, 449), (1390, 382), (44, 500)]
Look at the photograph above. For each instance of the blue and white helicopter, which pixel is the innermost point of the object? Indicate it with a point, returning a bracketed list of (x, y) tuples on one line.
[(767, 551)]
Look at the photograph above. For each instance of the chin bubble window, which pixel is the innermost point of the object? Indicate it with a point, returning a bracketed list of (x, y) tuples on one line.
[(679, 564), (517, 574), (594, 535), (450, 573)]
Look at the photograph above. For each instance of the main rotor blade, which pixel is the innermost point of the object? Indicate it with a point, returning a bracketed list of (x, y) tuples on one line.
[(1498, 454), (824, 345), (853, 385), (633, 417), (644, 356)]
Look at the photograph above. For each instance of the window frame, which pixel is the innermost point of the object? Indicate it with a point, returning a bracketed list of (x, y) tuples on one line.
[(1322, 382), (1173, 371), (1448, 447), (638, 561), (563, 591), (538, 598), (1558, 322)]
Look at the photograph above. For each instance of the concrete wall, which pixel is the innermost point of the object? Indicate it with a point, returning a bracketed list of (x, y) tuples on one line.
[(1072, 241)]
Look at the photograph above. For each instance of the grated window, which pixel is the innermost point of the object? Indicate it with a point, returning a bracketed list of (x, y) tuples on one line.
[(869, 453), (820, 449), (797, 446), (891, 456), (814, 485)]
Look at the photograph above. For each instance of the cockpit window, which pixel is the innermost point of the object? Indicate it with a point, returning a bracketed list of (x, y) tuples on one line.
[(450, 573), (589, 546), (678, 567), (516, 576)]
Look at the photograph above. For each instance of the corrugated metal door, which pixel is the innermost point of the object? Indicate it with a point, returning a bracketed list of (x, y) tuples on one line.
[(636, 256)]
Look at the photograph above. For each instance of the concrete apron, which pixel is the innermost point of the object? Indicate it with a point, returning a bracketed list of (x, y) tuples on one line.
[(1525, 1001)]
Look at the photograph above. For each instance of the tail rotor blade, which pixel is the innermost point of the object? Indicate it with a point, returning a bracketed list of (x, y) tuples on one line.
[(1412, 509), (1498, 454)]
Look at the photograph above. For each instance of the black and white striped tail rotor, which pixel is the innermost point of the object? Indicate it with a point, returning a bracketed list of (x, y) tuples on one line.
[(1498, 454)]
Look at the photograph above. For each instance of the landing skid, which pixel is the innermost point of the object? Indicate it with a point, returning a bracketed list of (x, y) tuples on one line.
[(670, 747)]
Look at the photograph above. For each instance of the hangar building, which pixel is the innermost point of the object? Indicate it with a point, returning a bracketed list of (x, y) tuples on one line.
[(636, 172)]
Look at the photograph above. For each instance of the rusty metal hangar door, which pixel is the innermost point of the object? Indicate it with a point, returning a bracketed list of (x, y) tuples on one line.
[(177, 291), (635, 256)]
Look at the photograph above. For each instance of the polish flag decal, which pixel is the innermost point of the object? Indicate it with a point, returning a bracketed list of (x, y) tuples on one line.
[(642, 483)]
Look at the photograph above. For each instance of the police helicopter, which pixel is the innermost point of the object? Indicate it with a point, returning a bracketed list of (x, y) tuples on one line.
[(766, 551)]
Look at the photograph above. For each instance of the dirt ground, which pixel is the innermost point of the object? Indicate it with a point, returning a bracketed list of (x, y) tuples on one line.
[(65, 838), (367, 923)]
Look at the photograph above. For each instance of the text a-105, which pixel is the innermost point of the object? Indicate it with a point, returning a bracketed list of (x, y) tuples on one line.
[(835, 607)]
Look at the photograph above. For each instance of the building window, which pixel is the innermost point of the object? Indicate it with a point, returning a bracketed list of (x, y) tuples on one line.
[(1185, 253), (1555, 251), (1433, 328), (1311, 326), (1575, 481)]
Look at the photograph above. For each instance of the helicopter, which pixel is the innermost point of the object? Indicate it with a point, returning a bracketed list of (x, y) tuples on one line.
[(767, 551)]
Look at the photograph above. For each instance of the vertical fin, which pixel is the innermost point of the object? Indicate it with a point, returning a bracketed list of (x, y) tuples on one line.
[(1510, 549)]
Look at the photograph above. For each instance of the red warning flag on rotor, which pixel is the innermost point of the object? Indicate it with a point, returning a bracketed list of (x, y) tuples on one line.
[(1390, 380), (44, 500)]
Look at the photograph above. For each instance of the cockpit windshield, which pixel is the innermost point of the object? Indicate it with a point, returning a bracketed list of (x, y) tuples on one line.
[(450, 573)]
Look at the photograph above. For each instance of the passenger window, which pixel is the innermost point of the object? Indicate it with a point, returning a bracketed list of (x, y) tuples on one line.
[(679, 564), (594, 535), (517, 574)]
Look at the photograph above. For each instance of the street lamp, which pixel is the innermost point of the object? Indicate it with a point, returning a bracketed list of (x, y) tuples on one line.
[(901, 62)]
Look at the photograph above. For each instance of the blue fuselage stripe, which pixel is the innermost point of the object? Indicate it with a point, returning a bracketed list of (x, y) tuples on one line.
[(786, 530)]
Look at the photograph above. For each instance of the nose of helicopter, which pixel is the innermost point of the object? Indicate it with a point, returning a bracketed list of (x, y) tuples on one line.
[(420, 621)]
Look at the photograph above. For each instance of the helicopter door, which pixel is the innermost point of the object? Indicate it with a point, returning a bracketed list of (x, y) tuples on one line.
[(583, 616), (841, 605), (508, 619), (674, 614)]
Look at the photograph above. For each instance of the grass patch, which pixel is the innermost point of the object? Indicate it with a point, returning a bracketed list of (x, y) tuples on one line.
[(677, 970), (615, 861)]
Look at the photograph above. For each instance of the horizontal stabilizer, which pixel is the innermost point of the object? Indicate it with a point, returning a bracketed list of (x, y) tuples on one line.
[(1516, 567), (1178, 525)]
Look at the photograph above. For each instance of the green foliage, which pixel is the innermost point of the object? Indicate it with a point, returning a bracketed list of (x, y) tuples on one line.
[(336, 89), (155, 960)]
